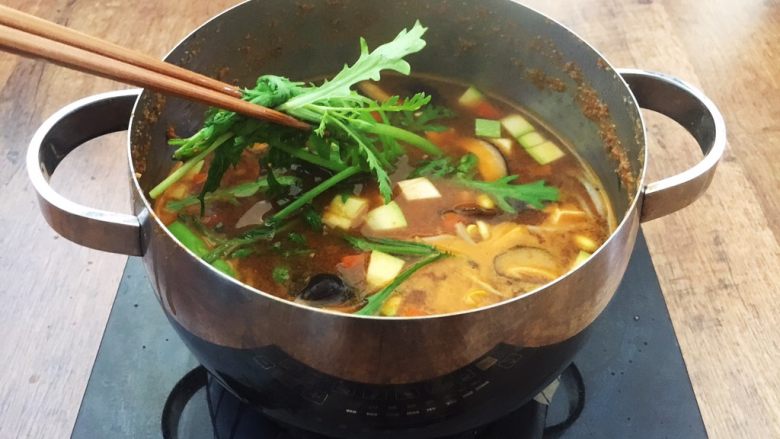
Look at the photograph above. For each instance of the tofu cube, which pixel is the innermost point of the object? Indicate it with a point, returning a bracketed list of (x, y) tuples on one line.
[(382, 269), (386, 217), (418, 189)]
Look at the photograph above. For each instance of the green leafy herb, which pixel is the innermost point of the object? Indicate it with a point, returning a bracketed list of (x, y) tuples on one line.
[(312, 218), (264, 232), (392, 246), (466, 166), (503, 191), (231, 194), (347, 140), (376, 300), (281, 275), (195, 244), (269, 91), (188, 165), (297, 239), (242, 253), (443, 167), (440, 168), (422, 121), (388, 56)]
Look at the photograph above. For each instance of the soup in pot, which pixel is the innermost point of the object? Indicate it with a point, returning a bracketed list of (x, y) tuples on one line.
[(491, 254), (441, 200)]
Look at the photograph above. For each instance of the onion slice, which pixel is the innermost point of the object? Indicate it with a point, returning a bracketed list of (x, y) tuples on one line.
[(254, 216)]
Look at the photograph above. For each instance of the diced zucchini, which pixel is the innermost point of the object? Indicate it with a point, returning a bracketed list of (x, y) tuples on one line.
[(545, 153), (471, 97), (487, 128), (585, 243), (503, 144), (517, 125), (345, 214), (529, 140), (581, 258), (387, 217), (382, 269), (418, 189)]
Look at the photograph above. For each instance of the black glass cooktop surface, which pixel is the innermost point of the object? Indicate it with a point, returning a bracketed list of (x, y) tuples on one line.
[(634, 377)]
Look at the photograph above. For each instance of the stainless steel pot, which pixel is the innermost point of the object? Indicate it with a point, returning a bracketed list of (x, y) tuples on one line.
[(351, 375)]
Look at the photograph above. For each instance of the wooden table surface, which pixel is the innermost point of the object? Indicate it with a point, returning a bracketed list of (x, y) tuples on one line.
[(718, 260)]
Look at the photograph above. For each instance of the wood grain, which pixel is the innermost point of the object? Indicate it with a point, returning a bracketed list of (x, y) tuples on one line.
[(63, 34), (718, 260), (75, 51), (56, 295)]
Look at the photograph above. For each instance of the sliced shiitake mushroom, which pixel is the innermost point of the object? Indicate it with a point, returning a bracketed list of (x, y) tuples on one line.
[(474, 210), (529, 264)]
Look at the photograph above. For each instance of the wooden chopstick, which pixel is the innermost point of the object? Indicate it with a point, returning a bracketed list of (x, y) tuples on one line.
[(53, 31), (185, 85)]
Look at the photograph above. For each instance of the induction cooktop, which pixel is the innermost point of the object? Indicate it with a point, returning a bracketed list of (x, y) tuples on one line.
[(629, 381)]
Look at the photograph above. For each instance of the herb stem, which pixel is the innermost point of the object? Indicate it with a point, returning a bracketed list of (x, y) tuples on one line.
[(195, 244), (313, 193), (401, 134), (185, 168), (311, 158), (376, 300), (230, 194), (392, 246)]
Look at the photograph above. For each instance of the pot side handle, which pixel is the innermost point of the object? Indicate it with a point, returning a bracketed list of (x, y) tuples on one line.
[(696, 113), (60, 134)]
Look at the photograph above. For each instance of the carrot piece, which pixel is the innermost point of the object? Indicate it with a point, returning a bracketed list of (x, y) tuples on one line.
[(211, 220), (487, 110), (350, 261), (377, 117), (199, 178), (449, 220), (166, 216), (441, 138), (412, 311)]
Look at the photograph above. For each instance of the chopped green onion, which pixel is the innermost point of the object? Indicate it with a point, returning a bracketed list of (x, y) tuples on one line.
[(281, 275)]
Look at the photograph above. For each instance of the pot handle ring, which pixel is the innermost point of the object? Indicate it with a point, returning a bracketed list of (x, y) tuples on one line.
[(64, 131), (695, 112)]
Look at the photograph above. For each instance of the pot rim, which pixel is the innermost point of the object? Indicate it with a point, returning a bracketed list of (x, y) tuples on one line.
[(632, 206)]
